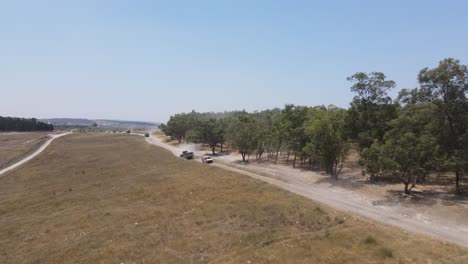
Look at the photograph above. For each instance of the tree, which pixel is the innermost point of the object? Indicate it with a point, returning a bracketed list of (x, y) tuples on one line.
[(328, 142), (266, 131), (164, 128), (409, 149), (244, 135), (223, 126), (278, 133), (211, 132), (178, 125), (293, 121), (446, 87), (370, 109)]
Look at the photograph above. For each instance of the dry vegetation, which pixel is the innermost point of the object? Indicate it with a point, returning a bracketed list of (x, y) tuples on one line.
[(95, 198), (15, 146)]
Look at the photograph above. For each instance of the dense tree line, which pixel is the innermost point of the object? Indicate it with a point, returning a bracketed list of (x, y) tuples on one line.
[(422, 132), (23, 124)]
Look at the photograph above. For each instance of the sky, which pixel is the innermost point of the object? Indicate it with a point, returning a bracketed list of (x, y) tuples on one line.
[(147, 60)]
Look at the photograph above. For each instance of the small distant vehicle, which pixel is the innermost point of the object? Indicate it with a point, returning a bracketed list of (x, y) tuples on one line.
[(146, 134), (207, 159), (187, 155), (128, 131)]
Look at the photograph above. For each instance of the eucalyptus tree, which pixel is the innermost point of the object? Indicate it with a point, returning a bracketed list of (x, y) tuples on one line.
[(370, 109), (409, 150), (328, 142), (446, 87), (178, 125), (278, 133), (267, 141), (211, 132), (293, 118), (243, 134)]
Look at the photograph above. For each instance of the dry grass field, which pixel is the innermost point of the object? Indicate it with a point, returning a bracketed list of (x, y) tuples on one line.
[(106, 198), (15, 146)]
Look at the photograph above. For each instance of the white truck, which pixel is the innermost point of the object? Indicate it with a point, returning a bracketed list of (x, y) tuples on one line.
[(207, 159)]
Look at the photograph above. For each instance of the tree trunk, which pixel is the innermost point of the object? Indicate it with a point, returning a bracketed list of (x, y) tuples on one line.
[(407, 191), (277, 152), (329, 169), (336, 170), (294, 162), (258, 155), (221, 149), (457, 181), (338, 167), (410, 180), (243, 156), (213, 149)]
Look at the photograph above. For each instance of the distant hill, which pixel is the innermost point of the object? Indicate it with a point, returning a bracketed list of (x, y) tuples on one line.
[(70, 121), (100, 122), (109, 122)]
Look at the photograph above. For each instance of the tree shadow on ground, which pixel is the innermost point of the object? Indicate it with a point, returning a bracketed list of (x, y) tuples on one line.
[(444, 196), (218, 154), (396, 197), (424, 198), (348, 184)]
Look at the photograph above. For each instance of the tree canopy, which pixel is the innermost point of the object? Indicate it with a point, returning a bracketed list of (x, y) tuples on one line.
[(423, 131), (23, 124)]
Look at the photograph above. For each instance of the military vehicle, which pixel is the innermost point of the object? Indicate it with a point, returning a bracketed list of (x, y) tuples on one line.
[(187, 155)]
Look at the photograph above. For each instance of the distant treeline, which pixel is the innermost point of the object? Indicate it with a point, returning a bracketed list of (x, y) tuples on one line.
[(23, 124), (422, 132)]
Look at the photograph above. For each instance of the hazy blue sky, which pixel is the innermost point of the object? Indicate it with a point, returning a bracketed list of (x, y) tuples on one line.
[(145, 60)]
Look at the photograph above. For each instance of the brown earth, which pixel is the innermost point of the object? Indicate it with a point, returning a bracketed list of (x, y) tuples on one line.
[(95, 198), (15, 146)]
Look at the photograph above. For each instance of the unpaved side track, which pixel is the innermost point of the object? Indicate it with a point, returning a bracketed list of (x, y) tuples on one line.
[(344, 201), (34, 154)]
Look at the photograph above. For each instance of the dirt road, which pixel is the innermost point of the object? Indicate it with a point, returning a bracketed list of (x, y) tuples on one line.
[(34, 154), (411, 218)]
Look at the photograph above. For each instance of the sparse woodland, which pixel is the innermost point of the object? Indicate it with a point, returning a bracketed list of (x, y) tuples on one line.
[(421, 132)]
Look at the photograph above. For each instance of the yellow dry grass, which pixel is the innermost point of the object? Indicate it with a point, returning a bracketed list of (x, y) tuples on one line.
[(14, 146), (94, 198)]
